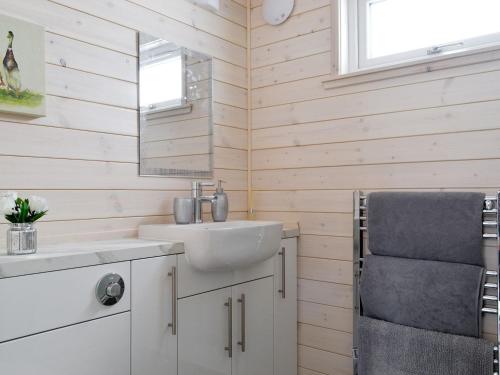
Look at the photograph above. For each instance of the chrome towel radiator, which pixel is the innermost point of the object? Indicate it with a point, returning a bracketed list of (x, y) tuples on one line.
[(491, 296)]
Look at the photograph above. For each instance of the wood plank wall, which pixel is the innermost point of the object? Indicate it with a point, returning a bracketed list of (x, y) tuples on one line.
[(311, 148), (83, 155)]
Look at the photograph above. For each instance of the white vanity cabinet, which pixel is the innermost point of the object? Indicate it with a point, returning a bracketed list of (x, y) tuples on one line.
[(150, 313), (153, 320), (99, 347), (285, 307), (203, 334), (52, 323), (253, 321), (228, 331), (246, 324)]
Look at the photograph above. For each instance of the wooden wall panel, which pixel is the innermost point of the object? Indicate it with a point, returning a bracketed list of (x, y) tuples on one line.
[(312, 147), (171, 27), (315, 20), (72, 53), (438, 120), (83, 155)]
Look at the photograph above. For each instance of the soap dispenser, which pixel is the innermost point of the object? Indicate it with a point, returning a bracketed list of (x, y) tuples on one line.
[(220, 204)]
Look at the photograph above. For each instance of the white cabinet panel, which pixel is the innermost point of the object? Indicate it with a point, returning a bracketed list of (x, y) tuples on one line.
[(154, 345), (99, 347), (285, 326), (36, 303), (204, 333), (192, 281), (253, 313)]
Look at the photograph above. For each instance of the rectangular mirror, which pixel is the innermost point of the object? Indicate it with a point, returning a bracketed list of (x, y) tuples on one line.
[(175, 110)]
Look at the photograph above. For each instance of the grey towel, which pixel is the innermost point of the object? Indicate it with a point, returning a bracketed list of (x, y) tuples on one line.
[(440, 296), (432, 226), (391, 349)]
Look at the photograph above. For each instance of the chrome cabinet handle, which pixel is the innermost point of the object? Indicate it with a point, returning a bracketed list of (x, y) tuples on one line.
[(173, 324), (229, 347), (283, 273), (242, 343)]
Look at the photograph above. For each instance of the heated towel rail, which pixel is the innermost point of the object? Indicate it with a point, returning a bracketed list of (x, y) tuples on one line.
[(491, 296)]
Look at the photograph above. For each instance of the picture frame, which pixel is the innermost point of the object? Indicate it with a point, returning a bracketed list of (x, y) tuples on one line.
[(22, 69)]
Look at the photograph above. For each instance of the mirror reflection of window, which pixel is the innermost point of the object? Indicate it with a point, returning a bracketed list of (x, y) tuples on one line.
[(162, 83)]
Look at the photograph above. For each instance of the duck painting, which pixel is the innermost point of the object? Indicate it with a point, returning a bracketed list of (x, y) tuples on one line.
[(11, 68), (22, 69)]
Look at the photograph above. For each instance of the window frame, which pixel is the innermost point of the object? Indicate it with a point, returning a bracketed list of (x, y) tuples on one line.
[(360, 7), (349, 34)]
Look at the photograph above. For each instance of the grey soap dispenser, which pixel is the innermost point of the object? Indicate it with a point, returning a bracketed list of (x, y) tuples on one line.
[(220, 204)]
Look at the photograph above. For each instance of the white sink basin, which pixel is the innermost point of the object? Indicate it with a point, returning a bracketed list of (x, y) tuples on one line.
[(221, 246)]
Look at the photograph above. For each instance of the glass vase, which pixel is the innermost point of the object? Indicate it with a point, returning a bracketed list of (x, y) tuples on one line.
[(21, 239)]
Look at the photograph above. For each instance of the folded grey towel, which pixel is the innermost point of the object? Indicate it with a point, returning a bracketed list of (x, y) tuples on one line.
[(391, 349), (440, 296), (432, 226)]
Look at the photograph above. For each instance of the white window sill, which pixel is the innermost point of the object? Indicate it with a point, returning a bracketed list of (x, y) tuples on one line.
[(414, 68)]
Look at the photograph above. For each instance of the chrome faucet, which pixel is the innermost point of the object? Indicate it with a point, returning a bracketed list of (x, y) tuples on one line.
[(199, 198)]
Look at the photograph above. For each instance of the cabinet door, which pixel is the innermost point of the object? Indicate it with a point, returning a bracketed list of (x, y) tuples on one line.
[(56, 299), (97, 347), (285, 291), (154, 343), (204, 332), (253, 316)]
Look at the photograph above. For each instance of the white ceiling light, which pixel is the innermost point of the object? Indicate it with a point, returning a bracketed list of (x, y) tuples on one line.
[(207, 4), (276, 12)]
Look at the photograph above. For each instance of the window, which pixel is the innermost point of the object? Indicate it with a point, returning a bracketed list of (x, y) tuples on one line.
[(386, 32)]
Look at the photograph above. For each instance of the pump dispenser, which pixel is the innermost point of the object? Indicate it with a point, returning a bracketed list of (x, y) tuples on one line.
[(220, 204)]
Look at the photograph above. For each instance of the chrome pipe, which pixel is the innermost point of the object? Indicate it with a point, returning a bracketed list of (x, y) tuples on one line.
[(490, 235), (490, 298), (490, 286), (359, 204), (490, 224), (491, 273), (486, 198), (489, 310), (496, 207)]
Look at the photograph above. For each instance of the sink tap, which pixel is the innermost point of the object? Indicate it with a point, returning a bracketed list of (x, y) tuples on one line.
[(199, 198)]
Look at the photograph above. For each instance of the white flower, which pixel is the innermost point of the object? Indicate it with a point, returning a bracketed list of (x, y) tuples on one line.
[(7, 205), (9, 194), (38, 204)]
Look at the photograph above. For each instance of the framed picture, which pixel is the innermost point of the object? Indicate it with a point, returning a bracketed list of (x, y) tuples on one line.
[(22, 73)]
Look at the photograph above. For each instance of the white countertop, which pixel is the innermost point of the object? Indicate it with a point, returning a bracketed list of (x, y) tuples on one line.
[(290, 230), (83, 254)]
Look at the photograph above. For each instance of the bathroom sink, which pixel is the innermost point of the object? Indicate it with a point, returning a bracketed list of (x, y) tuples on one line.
[(221, 246)]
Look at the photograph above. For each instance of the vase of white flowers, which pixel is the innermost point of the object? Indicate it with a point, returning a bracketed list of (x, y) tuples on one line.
[(22, 215)]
